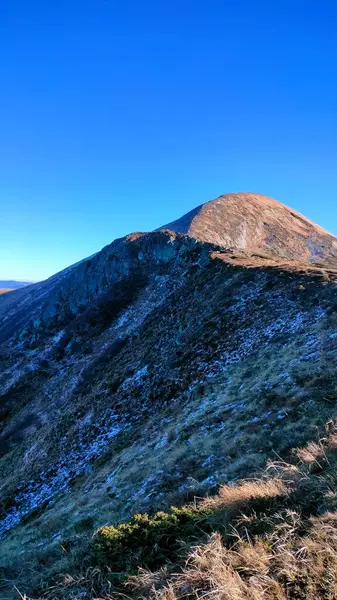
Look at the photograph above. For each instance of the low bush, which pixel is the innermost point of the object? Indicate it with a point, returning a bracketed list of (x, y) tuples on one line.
[(148, 541)]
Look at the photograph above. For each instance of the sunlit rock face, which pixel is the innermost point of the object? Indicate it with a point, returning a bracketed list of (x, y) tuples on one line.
[(257, 223)]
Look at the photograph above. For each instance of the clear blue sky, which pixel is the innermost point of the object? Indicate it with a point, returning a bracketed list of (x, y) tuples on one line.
[(121, 116)]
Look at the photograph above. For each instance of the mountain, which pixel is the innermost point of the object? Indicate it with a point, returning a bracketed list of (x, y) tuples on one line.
[(8, 286), (13, 285), (166, 365), (255, 224)]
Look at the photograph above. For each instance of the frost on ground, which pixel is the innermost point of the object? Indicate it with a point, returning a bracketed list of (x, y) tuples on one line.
[(187, 385)]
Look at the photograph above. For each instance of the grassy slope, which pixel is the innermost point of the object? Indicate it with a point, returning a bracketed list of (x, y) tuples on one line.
[(4, 290), (270, 538), (221, 408)]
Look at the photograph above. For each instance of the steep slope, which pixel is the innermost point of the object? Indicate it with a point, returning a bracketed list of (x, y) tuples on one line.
[(161, 367), (37, 311), (255, 224)]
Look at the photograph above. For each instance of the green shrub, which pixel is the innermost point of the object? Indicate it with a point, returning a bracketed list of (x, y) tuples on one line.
[(147, 541)]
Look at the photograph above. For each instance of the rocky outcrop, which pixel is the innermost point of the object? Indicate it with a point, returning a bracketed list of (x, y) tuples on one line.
[(45, 307)]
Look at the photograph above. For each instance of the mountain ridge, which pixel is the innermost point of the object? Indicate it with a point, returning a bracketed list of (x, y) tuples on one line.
[(159, 368), (231, 221)]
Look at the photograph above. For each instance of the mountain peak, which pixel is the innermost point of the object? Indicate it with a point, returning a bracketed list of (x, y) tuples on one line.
[(256, 223)]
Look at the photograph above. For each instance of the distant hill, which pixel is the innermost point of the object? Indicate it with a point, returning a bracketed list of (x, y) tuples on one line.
[(7, 286)]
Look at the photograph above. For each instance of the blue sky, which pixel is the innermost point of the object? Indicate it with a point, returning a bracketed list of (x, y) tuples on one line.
[(121, 116)]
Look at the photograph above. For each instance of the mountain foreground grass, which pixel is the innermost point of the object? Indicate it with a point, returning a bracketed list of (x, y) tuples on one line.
[(272, 537)]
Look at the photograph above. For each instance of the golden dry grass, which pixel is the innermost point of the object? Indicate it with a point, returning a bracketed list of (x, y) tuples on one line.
[(258, 261), (263, 569), (278, 542), (230, 496)]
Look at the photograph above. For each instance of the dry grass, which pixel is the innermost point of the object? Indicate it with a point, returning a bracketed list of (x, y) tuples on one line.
[(212, 570), (278, 541), (281, 566), (284, 568), (4, 290), (258, 261), (230, 496)]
